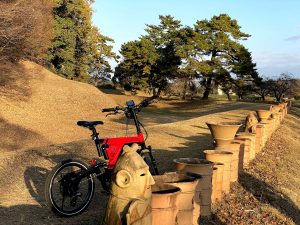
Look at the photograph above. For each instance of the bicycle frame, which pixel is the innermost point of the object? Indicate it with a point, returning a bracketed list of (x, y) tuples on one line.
[(115, 146), (111, 148)]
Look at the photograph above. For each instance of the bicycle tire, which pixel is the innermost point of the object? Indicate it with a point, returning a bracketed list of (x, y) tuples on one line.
[(65, 185)]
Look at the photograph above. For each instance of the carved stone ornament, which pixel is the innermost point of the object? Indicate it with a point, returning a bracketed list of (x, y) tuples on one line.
[(250, 123), (130, 193)]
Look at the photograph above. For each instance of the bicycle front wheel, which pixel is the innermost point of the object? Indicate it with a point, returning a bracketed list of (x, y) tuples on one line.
[(66, 194), (152, 166)]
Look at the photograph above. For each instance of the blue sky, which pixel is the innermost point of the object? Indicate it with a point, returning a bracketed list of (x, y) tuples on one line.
[(274, 25)]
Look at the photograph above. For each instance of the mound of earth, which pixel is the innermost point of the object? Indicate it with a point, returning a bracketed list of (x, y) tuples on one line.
[(40, 108)]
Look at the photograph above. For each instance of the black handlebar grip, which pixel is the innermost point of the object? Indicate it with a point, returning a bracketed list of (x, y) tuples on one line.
[(108, 109), (119, 108), (147, 102)]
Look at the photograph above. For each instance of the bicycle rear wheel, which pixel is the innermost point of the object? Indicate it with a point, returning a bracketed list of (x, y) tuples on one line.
[(65, 194)]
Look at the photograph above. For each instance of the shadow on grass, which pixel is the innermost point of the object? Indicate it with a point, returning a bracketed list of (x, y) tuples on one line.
[(155, 115), (214, 220), (265, 193), (27, 214), (112, 91), (15, 137), (295, 111), (35, 178), (14, 82), (191, 147)]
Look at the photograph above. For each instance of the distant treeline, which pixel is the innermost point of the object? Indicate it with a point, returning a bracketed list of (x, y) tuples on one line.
[(173, 58), (60, 35), (211, 51)]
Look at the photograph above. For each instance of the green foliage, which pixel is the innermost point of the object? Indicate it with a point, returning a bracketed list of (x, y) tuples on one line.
[(105, 85), (139, 58), (78, 50), (245, 72), (100, 52), (211, 51), (149, 62), (260, 86), (221, 35)]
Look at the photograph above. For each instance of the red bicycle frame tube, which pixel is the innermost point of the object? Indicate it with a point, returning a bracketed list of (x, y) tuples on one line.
[(115, 146)]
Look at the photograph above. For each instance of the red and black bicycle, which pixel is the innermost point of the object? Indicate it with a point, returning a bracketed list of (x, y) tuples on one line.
[(70, 185)]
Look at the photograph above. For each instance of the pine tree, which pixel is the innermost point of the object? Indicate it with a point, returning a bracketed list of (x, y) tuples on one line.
[(221, 35), (164, 37), (100, 52), (245, 72), (151, 61), (187, 52), (78, 50), (139, 59)]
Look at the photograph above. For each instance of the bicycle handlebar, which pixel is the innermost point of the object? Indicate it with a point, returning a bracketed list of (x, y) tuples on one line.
[(108, 109), (147, 102), (143, 103)]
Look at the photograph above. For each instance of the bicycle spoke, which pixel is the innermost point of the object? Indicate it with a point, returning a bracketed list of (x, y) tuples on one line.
[(80, 199), (68, 194)]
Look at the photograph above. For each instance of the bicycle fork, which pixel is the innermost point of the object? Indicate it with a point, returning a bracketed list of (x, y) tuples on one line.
[(149, 148)]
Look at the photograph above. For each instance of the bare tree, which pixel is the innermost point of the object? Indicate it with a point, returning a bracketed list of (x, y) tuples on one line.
[(295, 89), (260, 86), (25, 29), (280, 86)]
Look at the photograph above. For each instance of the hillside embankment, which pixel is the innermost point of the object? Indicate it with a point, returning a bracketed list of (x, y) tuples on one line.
[(40, 108)]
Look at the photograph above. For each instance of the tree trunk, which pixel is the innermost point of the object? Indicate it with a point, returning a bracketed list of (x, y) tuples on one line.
[(207, 89), (228, 96), (156, 92), (183, 97), (278, 98), (240, 96)]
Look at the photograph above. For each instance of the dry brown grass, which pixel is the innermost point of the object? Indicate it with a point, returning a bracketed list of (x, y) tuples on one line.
[(176, 129), (268, 192), (39, 108), (25, 29)]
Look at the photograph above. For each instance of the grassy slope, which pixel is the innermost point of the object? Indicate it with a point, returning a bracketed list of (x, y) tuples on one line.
[(40, 108)]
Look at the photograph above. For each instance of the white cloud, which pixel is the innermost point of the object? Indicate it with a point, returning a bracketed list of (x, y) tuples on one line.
[(293, 38), (271, 64)]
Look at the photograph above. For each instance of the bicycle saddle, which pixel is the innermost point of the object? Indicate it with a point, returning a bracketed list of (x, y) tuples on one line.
[(88, 123)]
